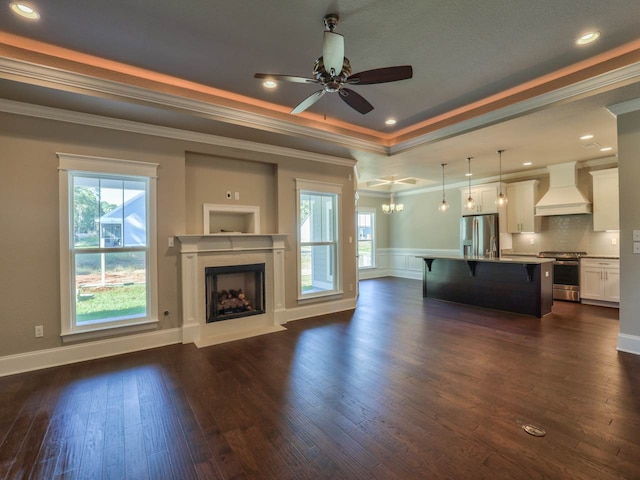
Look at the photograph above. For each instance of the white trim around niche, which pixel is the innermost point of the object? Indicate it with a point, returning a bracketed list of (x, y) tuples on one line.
[(209, 208)]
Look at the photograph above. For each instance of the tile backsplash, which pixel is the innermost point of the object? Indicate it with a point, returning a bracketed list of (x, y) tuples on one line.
[(571, 233)]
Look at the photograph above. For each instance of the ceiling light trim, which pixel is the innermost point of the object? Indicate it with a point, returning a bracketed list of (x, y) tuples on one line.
[(99, 121), (42, 74), (607, 80)]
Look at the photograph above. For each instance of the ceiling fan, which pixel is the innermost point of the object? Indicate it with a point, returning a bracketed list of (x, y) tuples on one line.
[(333, 72)]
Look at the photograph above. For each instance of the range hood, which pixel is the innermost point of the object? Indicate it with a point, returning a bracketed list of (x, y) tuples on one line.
[(563, 197)]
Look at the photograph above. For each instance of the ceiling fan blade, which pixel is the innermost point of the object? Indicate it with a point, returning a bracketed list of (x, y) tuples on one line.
[(307, 102), (355, 101), (381, 75), (284, 78), (333, 52)]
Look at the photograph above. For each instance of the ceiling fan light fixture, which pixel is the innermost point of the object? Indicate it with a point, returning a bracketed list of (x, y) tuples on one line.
[(24, 10), (588, 38)]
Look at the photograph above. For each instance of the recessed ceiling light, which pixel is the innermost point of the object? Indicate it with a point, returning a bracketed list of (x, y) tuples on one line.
[(588, 136), (269, 84), (526, 164), (468, 174), (606, 149), (588, 38), (24, 10), (390, 121)]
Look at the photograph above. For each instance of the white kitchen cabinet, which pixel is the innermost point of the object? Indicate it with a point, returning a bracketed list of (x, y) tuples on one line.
[(484, 196), (521, 208), (606, 210), (600, 281)]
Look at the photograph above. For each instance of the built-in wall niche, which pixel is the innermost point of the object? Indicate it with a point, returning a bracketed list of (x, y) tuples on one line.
[(224, 219)]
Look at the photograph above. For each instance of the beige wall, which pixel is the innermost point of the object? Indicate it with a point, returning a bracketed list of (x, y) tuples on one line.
[(208, 178), (29, 244), (29, 278), (629, 174), (422, 225)]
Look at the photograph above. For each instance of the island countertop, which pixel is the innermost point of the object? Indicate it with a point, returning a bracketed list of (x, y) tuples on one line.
[(518, 259), (513, 284)]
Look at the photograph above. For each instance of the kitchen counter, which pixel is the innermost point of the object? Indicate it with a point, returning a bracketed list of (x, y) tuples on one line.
[(532, 259), (513, 284), (606, 257)]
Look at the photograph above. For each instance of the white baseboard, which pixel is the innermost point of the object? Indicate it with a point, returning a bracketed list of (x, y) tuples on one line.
[(317, 309), (26, 362), (628, 343)]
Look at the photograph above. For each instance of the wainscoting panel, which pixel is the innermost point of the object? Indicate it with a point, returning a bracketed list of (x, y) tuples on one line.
[(401, 262)]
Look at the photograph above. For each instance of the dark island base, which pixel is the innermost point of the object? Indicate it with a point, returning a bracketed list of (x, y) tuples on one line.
[(513, 287)]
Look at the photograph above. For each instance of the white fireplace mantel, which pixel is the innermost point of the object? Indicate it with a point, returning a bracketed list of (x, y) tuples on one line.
[(197, 252)]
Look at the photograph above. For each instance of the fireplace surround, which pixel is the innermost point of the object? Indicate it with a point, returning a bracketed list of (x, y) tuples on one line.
[(235, 251)]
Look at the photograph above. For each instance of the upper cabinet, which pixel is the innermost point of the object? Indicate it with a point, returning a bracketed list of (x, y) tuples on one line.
[(484, 196), (606, 210), (521, 208)]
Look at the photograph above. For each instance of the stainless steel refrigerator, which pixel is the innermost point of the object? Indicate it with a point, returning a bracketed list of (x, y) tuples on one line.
[(479, 236)]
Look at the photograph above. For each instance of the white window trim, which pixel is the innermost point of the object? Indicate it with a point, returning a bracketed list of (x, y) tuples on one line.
[(374, 226), (83, 163), (320, 187)]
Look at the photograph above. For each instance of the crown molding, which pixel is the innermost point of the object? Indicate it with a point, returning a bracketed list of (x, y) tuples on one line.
[(51, 77), (604, 81), (624, 107), (89, 119)]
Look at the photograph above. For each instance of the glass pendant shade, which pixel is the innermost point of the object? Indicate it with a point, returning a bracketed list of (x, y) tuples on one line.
[(501, 200)]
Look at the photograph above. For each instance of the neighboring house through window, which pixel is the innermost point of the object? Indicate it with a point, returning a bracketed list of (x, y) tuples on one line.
[(319, 269), (107, 245), (366, 237)]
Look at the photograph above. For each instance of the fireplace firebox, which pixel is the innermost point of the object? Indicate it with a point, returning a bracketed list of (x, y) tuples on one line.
[(234, 291)]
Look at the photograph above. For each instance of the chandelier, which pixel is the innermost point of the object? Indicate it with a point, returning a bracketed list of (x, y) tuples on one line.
[(392, 206)]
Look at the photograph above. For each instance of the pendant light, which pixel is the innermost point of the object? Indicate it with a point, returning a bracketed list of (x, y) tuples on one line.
[(470, 204), (444, 206), (392, 206), (502, 199)]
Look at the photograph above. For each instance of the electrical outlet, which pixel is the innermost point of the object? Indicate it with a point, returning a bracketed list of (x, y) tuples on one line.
[(351, 287), (170, 242), (39, 331), (614, 241), (531, 241), (636, 247), (228, 194), (636, 235), (237, 196)]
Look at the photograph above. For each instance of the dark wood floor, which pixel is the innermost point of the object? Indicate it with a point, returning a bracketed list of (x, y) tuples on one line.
[(403, 388)]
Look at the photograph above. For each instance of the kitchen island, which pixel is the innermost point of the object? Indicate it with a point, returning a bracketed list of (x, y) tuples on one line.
[(517, 284)]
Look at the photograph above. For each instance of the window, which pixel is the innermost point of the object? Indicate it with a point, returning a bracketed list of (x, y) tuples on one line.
[(318, 247), (107, 245), (366, 238)]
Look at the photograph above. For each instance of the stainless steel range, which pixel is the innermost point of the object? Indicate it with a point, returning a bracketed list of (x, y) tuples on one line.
[(566, 274)]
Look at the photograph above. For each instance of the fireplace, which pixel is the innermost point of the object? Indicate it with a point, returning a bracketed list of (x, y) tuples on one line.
[(234, 291), (231, 253)]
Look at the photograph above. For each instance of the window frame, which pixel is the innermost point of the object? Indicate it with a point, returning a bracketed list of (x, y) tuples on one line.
[(372, 213), (320, 188), (71, 165)]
